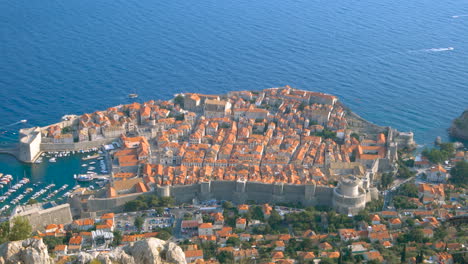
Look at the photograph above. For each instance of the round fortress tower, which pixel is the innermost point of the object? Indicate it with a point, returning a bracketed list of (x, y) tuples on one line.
[(350, 186), (349, 197)]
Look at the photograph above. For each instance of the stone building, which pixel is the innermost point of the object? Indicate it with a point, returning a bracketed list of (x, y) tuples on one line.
[(30, 144), (216, 108)]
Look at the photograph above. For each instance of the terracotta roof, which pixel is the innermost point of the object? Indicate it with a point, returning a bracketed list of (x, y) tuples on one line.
[(205, 225), (75, 240), (60, 247)]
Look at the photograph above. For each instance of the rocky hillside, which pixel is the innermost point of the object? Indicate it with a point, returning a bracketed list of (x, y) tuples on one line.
[(149, 251), (459, 128), (27, 251)]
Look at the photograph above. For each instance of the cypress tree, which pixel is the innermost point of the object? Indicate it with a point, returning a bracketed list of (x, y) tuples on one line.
[(403, 254)]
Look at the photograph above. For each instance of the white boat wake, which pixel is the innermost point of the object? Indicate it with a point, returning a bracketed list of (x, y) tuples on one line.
[(458, 16), (15, 123), (432, 50), (439, 49)]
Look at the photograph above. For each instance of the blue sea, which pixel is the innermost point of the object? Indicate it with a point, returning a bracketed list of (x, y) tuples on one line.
[(396, 63)]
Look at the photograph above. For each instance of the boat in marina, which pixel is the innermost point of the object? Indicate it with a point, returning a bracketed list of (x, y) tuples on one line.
[(84, 177), (24, 181), (4, 208), (53, 159), (91, 157)]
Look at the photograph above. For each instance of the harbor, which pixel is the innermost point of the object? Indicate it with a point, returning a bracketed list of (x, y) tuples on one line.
[(52, 177)]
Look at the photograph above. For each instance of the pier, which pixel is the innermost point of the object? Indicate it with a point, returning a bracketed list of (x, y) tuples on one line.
[(11, 150)]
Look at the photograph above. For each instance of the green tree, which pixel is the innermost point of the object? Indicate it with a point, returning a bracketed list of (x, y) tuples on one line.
[(209, 250), (164, 235), (21, 229), (459, 173), (403, 171), (51, 242), (179, 99), (387, 180), (448, 148), (327, 261), (117, 238), (227, 205), (326, 134), (408, 189), (139, 221), (233, 241), (66, 130), (4, 231), (445, 152), (274, 220), (257, 213), (135, 205), (420, 257), (402, 202), (301, 106), (306, 244), (414, 235), (166, 201), (225, 257), (375, 205), (403, 254)]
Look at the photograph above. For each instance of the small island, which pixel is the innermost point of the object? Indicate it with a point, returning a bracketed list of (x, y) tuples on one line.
[(459, 128)]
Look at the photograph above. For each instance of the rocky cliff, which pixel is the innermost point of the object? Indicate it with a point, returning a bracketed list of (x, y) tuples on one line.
[(27, 251), (149, 251), (459, 128)]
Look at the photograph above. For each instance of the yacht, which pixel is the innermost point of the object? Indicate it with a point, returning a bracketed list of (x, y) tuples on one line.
[(53, 159), (83, 177)]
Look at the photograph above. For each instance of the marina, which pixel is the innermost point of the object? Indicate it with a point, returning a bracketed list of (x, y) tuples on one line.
[(52, 177)]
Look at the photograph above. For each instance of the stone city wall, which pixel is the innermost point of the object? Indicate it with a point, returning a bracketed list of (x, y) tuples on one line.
[(110, 204), (240, 192), (59, 214), (75, 146)]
